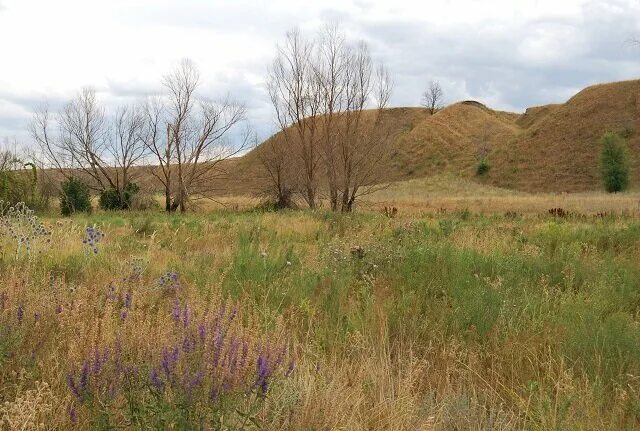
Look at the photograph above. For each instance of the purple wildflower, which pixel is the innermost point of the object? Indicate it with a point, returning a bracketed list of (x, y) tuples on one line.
[(71, 382), (127, 300), (175, 311), (84, 378), (263, 373), (202, 332), (156, 381), (20, 313), (73, 416)]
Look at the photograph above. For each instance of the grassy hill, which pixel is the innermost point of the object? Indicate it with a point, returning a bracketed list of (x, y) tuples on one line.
[(551, 148)]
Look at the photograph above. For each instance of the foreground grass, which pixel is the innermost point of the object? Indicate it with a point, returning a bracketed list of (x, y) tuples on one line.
[(448, 322)]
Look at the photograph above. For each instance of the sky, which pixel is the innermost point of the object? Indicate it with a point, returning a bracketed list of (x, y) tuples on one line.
[(508, 54)]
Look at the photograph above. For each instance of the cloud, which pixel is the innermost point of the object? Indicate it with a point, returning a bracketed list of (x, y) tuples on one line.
[(509, 55)]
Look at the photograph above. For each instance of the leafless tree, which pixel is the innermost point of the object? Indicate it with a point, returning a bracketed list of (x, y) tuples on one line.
[(363, 144), (323, 93), (156, 136), (432, 97), (281, 177), (197, 140), (293, 88), (330, 66), (82, 140)]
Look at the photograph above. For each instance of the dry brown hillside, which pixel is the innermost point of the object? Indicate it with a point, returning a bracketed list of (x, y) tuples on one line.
[(548, 148)]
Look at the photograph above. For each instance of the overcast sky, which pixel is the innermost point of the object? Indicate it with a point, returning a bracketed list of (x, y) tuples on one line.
[(509, 54)]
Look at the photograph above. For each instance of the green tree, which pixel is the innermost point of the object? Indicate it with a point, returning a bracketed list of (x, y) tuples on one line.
[(75, 197), (614, 162)]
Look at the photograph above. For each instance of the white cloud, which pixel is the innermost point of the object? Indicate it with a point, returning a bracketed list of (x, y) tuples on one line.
[(506, 53)]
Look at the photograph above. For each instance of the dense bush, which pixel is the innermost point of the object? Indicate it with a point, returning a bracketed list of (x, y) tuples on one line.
[(74, 197), (614, 162), (18, 185), (483, 167), (112, 199)]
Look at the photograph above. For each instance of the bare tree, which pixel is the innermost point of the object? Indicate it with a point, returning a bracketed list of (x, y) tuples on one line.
[(432, 97), (281, 179), (197, 140), (293, 88), (323, 94), (363, 144), (156, 136), (81, 140)]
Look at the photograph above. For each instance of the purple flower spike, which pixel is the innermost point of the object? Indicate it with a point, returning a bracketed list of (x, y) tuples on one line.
[(84, 378), (73, 416), (263, 373), (175, 311), (156, 381), (71, 383), (20, 313)]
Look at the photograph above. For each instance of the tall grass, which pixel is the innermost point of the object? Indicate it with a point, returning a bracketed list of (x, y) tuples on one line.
[(448, 322)]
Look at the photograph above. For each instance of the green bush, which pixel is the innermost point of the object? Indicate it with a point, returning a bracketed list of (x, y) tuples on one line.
[(614, 163), (74, 197), (483, 167), (112, 199)]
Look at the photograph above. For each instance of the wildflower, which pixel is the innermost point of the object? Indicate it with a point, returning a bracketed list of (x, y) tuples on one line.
[(71, 383), (20, 313), (175, 311), (156, 381), (73, 416), (263, 373)]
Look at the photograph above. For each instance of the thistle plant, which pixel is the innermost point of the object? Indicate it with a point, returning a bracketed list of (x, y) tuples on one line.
[(23, 228), (92, 238)]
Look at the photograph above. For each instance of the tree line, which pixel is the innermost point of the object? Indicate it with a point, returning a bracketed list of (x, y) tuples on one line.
[(179, 138)]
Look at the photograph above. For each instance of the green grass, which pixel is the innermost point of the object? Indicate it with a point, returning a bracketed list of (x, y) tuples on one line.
[(456, 320)]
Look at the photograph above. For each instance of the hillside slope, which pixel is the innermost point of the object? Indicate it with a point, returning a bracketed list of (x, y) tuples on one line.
[(547, 148)]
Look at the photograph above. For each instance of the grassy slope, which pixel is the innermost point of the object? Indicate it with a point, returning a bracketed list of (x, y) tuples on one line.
[(548, 148)]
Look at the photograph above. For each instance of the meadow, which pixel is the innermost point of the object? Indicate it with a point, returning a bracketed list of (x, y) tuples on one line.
[(438, 318)]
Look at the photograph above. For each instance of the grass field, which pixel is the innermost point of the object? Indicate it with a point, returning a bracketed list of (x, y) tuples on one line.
[(460, 319)]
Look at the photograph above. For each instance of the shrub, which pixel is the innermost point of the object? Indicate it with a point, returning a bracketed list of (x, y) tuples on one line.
[(74, 197), (112, 199), (483, 167), (614, 163)]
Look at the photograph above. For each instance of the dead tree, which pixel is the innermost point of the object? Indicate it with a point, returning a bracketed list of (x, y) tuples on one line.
[(156, 136), (82, 140), (432, 97), (281, 177), (363, 142), (198, 133), (329, 98), (293, 88)]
